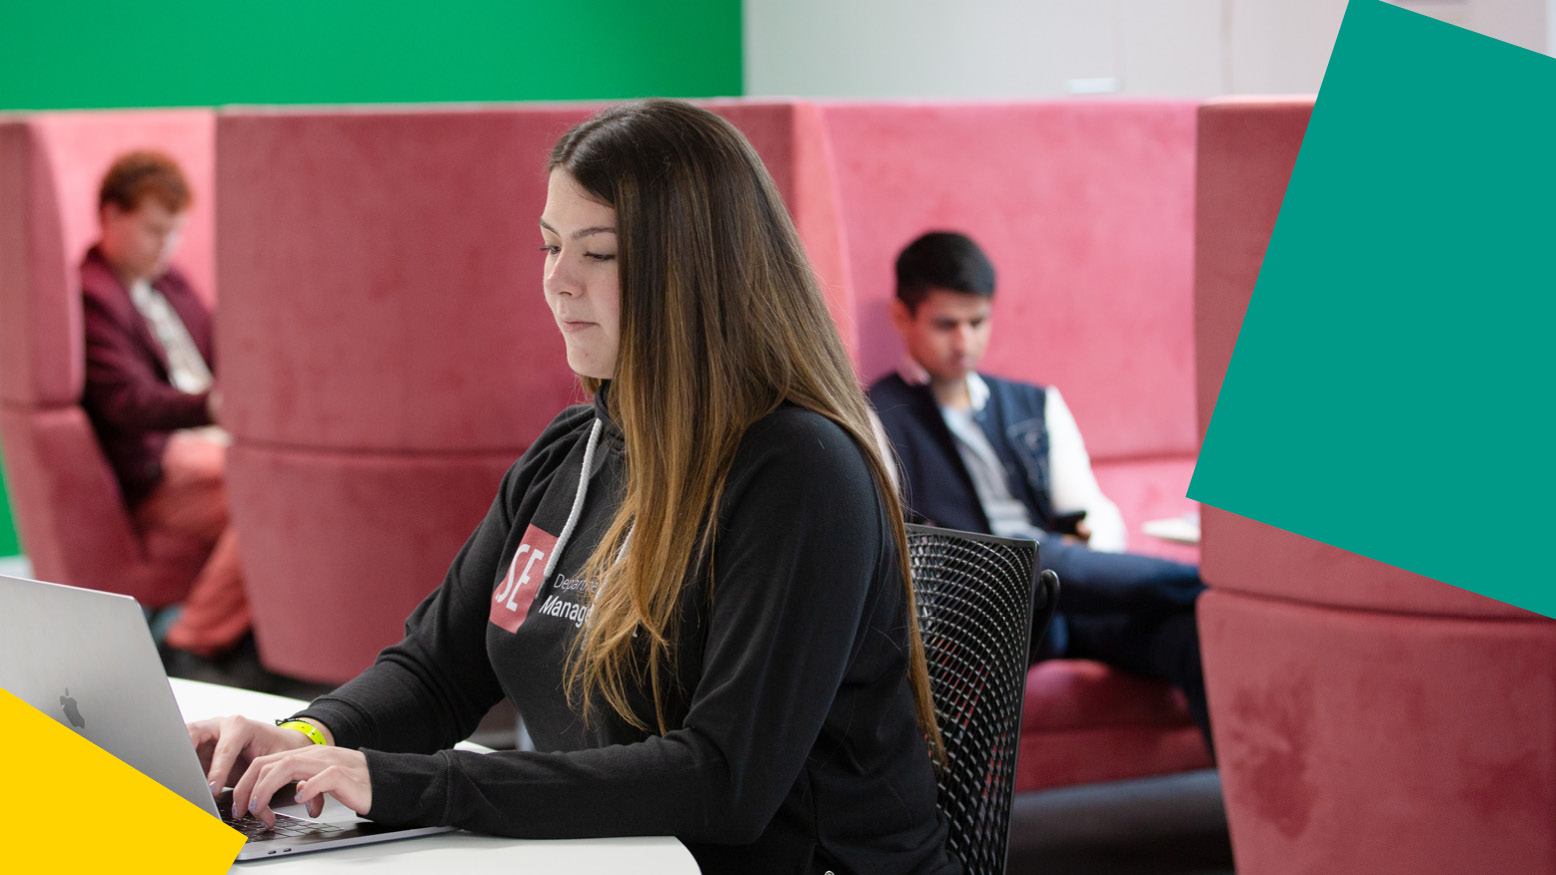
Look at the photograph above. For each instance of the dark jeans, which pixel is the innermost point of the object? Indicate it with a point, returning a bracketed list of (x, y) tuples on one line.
[(1135, 613)]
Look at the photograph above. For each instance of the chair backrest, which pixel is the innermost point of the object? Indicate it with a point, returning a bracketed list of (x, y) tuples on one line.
[(978, 596)]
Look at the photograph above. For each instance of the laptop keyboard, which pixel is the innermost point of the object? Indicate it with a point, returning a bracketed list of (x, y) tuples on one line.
[(286, 827)]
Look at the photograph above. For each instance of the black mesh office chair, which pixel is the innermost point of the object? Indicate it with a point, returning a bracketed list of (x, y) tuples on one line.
[(977, 598)]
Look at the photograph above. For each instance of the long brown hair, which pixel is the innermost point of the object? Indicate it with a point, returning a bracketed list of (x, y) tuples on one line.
[(721, 322)]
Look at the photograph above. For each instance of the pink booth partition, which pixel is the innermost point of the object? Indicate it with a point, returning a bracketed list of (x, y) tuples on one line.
[(387, 349), (73, 522), (386, 355), (1366, 719), (1086, 209)]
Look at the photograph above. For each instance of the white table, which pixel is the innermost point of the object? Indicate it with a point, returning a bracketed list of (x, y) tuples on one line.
[(1178, 529), (465, 853)]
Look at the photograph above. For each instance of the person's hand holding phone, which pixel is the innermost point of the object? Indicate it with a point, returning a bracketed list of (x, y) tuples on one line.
[(1073, 528)]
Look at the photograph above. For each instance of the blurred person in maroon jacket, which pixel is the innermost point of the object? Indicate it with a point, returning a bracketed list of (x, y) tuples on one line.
[(151, 398)]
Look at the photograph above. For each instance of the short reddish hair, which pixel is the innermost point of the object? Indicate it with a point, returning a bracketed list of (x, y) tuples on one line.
[(144, 173)]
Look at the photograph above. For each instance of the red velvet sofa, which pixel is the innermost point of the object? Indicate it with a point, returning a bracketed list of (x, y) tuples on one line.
[(1366, 719)]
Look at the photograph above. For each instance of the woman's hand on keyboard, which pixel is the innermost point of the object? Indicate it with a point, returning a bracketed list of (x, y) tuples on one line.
[(227, 746), (317, 769)]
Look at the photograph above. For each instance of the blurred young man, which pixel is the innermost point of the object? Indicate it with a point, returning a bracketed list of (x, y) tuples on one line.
[(149, 394), (983, 454)]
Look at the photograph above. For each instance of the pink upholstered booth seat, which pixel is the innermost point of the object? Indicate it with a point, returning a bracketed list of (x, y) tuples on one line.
[(1086, 209), (1083, 723), (387, 349), (1366, 719), (386, 352), (72, 518)]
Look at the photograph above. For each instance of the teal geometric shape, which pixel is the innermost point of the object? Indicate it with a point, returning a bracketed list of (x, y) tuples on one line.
[(1391, 392), (8, 541)]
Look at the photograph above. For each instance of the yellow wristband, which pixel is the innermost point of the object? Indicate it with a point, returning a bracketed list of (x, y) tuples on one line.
[(308, 729)]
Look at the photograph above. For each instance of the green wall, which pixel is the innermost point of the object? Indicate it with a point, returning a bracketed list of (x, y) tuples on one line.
[(99, 54)]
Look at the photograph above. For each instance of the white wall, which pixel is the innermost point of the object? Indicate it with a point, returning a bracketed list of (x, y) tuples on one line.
[(1035, 48)]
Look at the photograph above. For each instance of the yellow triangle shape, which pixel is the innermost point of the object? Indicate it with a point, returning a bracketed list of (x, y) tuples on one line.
[(71, 806)]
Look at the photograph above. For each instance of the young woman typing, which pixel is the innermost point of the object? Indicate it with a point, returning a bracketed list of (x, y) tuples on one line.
[(693, 589)]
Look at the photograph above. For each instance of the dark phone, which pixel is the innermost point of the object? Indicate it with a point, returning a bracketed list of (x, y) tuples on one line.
[(1065, 523)]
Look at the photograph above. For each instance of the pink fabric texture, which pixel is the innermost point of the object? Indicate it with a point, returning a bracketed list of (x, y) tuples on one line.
[(1083, 722), (387, 352), (340, 546), (1367, 719), (1353, 741), (381, 280), (67, 505)]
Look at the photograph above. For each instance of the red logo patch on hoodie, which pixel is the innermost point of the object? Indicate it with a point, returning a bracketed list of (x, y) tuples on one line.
[(516, 592)]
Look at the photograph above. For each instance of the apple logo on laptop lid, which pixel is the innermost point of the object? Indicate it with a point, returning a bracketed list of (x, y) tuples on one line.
[(72, 713)]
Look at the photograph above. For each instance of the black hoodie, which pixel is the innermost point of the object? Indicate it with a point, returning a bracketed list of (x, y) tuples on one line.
[(792, 745)]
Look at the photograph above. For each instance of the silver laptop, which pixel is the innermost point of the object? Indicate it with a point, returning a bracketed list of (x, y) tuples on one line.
[(86, 659)]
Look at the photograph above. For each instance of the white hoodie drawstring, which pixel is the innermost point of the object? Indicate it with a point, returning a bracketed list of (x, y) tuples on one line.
[(577, 511), (578, 500)]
